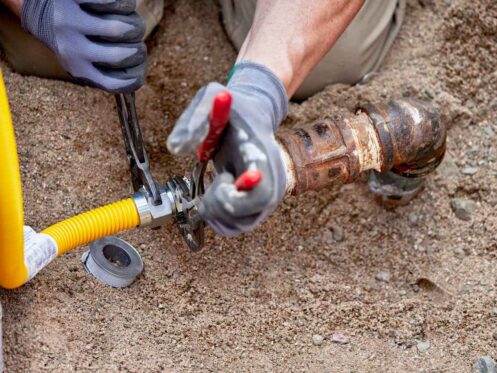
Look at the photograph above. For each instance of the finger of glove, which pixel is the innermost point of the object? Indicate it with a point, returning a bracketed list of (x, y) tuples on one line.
[(232, 203), (193, 125), (219, 211), (108, 6), (114, 81), (112, 27), (117, 56)]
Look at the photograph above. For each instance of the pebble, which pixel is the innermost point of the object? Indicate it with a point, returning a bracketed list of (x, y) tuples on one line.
[(423, 346), (317, 339), (413, 219), (448, 169), (469, 170), (459, 252), (484, 364), (338, 234), (489, 131), (463, 208), (340, 338), (403, 293), (328, 236), (495, 311), (383, 276)]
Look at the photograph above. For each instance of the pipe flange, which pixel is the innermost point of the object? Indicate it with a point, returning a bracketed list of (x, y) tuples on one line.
[(113, 261)]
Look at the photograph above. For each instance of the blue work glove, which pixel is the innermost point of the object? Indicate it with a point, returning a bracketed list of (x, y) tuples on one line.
[(259, 105), (98, 42)]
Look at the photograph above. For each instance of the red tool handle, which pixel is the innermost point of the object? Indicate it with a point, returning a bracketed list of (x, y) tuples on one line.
[(218, 120), (248, 180)]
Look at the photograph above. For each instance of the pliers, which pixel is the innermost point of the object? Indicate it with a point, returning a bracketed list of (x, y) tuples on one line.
[(218, 121)]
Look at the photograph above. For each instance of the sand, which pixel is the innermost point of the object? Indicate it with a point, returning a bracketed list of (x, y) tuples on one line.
[(254, 303)]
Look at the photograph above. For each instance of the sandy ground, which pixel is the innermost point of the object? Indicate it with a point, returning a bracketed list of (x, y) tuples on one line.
[(254, 303)]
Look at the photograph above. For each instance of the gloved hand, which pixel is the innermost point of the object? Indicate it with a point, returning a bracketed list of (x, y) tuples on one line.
[(99, 42), (259, 105)]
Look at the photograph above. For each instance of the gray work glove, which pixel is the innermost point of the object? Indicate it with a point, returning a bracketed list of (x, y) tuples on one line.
[(98, 42), (259, 105)]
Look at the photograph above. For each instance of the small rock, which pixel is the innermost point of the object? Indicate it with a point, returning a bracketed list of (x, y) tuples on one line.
[(459, 252), (423, 346), (340, 338), (317, 339), (403, 293), (484, 364), (328, 236), (383, 276), (494, 311), (448, 168), (469, 170), (463, 208), (338, 234), (413, 219), (489, 131)]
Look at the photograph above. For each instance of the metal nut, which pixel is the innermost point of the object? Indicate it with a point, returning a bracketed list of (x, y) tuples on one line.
[(113, 261)]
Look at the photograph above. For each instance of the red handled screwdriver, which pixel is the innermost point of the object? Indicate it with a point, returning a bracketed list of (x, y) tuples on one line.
[(218, 120)]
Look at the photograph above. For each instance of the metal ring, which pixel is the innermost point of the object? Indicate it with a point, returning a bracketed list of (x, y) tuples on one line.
[(113, 261)]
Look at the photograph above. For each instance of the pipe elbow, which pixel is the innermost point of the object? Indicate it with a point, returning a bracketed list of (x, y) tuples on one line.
[(13, 277), (412, 136)]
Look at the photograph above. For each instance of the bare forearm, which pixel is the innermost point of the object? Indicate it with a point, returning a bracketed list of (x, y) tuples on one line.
[(292, 36), (13, 5)]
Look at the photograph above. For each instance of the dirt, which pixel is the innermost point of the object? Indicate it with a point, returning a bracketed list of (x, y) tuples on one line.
[(254, 303)]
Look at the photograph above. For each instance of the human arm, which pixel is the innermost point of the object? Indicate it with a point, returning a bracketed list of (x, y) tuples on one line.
[(287, 40), (14, 5), (290, 37)]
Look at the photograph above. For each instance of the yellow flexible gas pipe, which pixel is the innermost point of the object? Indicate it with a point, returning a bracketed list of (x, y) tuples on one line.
[(13, 271), (92, 225), (19, 261)]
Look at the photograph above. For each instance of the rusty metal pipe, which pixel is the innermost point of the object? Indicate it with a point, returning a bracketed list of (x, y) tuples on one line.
[(403, 136)]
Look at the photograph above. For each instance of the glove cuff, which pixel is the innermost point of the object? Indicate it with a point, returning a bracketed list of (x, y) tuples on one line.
[(249, 77), (34, 17)]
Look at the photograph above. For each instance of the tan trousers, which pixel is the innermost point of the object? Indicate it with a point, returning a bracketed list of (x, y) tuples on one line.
[(359, 51)]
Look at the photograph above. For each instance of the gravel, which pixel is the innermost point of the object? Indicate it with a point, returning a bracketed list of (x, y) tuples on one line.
[(338, 233), (232, 305), (340, 338), (463, 208), (423, 346), (383, 276), (484, 364), (469, 171), (317, 339), (413, 219)]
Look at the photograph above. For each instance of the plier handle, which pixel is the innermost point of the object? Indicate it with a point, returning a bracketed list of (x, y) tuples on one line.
[(141, 177)]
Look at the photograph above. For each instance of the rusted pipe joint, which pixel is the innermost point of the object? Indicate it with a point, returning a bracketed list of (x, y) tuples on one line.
[(412, 137), (403, 136), (334, 150)]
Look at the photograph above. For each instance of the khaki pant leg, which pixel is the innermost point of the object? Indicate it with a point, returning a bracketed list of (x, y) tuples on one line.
[(359, 51), (29, 56), (25, 53)]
